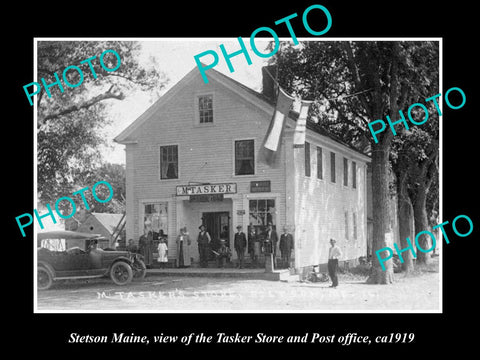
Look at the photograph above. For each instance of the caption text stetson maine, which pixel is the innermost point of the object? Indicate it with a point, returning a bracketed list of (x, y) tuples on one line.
[(237, 338)]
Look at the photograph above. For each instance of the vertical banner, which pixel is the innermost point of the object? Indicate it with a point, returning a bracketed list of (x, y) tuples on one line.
[(271, 144), (301, 127)]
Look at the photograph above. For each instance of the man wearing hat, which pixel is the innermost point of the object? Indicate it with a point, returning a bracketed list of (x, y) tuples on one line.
[(270, 242), (286, 246), (203, 245), (334, 253), (240, 243)]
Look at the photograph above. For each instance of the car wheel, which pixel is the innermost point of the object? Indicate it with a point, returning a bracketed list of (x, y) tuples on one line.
[(44, 278), (140, 270), (121, 273)]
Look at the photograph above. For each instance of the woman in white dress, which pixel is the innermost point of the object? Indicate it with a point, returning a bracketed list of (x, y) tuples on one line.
[(162, 252)]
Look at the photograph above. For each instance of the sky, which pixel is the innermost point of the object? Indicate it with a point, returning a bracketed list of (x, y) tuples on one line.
[(175, 58)]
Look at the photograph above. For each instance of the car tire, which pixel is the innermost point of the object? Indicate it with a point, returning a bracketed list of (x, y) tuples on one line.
[(121, 273), (44, 278), (141, 270)]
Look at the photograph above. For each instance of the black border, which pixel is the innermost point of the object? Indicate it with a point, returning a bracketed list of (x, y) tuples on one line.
[(47, 334)]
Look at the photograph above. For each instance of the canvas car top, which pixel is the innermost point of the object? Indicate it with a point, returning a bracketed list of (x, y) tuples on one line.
[(65, 234)]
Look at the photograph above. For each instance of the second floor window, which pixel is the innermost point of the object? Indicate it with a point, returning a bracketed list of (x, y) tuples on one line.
[(244, 157), (307, 159), (169, 162), (354, 174), (332, 167), (319, 163), (345, 171), (346, 225), (354, 218), (205, 109)]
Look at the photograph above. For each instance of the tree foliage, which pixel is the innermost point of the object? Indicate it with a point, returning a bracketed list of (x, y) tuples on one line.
[(69, 123), (354, 83), (114, 174), (330, 72)]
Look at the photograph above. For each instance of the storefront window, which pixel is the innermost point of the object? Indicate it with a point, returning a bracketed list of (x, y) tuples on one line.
[(156, 219), (262, 213)]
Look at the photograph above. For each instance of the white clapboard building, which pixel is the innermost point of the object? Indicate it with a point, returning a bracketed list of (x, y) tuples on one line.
[(193, 158)]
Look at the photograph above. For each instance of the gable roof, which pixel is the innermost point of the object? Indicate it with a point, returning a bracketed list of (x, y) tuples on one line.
[(107, 220), (257, 94), (255, 98)]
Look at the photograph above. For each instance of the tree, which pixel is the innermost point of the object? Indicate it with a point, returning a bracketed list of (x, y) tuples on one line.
[(69, 123), (114, 174), (385, 77), (417, 165), (406, 223), (415, 160)]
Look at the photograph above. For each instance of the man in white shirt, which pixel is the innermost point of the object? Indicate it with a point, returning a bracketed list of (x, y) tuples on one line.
[(334, 253)]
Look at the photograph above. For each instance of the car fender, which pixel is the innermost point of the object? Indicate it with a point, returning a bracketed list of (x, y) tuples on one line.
[(120, 258), (47, 266)]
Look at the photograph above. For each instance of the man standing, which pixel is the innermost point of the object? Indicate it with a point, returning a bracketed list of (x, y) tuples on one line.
[(334, 253), (271, 240), (240, 243), (203, 245), (286, 246), (131, 246)]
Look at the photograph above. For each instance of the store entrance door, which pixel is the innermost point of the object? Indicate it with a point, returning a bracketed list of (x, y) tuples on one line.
[(218, 226)]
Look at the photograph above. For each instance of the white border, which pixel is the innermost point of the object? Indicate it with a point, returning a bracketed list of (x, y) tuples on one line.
[(300, 39)]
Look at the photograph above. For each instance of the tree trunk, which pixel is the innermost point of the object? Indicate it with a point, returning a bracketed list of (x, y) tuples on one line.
[(381, 216), (421, 224), (405, 221)]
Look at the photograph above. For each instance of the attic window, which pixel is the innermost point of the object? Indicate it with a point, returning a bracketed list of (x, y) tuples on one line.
[(205, 109)]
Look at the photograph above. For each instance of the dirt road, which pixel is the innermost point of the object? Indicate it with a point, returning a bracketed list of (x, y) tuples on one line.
[(200, 294)]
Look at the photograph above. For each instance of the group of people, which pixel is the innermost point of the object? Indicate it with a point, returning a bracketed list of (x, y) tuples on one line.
[(267, 242), (145, 247), (255, 244)]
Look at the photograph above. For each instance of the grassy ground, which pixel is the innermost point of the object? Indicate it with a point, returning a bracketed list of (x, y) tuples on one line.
[(361, 272)]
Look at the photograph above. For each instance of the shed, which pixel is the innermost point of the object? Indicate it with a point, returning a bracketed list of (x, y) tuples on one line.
[(105, 224)]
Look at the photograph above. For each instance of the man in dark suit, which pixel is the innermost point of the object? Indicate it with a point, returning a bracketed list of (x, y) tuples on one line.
[(240, 244), (203, 245), (271, 240), (286, 246)]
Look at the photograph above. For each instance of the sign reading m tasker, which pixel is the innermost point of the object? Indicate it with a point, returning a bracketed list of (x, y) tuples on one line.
[(223, 188)]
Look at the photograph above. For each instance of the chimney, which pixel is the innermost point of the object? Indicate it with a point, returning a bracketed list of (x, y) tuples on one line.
[(268, 84)]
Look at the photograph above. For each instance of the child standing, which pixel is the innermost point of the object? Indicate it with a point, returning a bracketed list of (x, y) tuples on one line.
[(223, 254), (162, 252)]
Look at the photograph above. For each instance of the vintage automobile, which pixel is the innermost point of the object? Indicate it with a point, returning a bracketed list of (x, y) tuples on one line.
[(63, 255)]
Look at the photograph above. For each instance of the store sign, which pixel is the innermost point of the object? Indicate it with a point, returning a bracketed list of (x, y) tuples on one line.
[(260, 186), (210, 189), (206, 198)]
